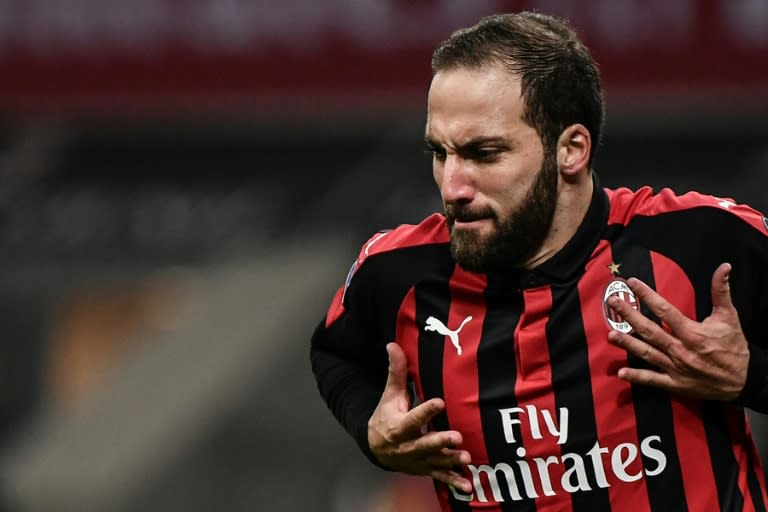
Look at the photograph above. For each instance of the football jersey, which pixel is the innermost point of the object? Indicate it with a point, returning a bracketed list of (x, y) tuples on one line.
[(522, 360)]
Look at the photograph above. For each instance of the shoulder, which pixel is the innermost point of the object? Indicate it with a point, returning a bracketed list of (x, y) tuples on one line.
[(432, 230), (391, 261), (626, 205)]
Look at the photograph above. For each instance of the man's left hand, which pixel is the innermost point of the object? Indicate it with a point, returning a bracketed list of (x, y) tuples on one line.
[(706, 360)]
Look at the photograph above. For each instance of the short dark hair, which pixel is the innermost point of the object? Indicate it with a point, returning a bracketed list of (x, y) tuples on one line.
[(559, 78)]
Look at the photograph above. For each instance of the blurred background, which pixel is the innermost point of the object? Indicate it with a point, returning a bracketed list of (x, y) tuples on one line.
[(184, 183)]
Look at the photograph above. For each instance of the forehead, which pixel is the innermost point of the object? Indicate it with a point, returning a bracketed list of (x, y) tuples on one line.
[(465, 103)]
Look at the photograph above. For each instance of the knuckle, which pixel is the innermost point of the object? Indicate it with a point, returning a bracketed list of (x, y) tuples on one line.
[(696, 335), (690, 362), (645, 378), (663, 309), (644, 330), (390, 434), (677, 354)]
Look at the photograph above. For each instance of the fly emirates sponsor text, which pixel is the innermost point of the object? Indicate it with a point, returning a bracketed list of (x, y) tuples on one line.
[(532, 477)]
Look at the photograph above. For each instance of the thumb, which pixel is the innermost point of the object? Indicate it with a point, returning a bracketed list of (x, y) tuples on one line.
[(721, 289), (397, 378)]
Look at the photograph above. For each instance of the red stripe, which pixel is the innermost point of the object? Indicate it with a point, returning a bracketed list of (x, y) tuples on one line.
[(626, 204), (614, 408), (690, 436), (407, 336), (535, 395), (336, 308), (432, 230), (737, 428), (460, 378)]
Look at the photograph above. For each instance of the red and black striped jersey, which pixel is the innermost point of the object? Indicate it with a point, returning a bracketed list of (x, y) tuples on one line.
[(522, 360)]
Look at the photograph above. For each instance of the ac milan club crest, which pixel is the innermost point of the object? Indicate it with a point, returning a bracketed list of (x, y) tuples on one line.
[(619, 288)]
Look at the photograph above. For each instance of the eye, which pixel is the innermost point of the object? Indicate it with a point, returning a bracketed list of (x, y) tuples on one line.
[(485, 154), (437, 152)]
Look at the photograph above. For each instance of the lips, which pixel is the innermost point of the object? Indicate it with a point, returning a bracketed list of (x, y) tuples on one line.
[(470, 218), (463, 218), (472, 223), (465, 215)]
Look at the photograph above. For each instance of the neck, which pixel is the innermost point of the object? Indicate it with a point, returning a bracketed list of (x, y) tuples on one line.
[(573, 201)]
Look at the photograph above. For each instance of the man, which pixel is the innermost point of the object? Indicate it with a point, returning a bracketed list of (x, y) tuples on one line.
[(570, 347)]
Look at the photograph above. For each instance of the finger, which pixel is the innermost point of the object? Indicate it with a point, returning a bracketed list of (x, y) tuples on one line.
[(643, 326), (432, 443), (417, 418), (648, 378), (641, 349), (452, 478), (721, 290), (449, 458), (397, 378), (660, 307)]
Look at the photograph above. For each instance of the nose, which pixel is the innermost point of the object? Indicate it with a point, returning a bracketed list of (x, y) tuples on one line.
[(457, 185)]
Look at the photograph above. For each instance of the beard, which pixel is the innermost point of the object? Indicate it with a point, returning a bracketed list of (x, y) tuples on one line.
[(517, 236)]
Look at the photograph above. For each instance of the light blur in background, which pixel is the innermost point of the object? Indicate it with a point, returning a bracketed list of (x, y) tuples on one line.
[(184, 183)]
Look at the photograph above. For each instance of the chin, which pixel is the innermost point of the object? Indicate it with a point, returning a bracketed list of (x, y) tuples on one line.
[(469, 250)]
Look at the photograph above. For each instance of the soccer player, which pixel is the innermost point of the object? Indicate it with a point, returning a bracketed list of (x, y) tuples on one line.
[(547, 344)]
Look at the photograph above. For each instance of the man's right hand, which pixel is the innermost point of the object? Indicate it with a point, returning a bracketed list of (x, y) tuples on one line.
[(396, 432)]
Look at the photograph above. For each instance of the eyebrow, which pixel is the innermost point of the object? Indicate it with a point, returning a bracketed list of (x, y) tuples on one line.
[(473, 143)]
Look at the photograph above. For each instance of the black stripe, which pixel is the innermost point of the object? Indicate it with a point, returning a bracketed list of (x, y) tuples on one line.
[(724, 462), (739, 244), (715, 414), (653, 406), (497, 374), (571, 382), (433, 298), (699, 256), (754, 489)]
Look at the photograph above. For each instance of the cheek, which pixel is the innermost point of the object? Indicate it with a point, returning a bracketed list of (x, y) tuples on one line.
[(437, 175), (507, 193)]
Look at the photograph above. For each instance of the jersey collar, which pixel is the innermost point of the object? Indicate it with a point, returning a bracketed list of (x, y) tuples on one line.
[(569, 262)]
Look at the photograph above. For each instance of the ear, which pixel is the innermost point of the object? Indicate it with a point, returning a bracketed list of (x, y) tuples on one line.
[(573, 150)]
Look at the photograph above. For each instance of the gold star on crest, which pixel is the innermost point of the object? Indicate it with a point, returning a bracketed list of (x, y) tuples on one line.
[(614, 267)]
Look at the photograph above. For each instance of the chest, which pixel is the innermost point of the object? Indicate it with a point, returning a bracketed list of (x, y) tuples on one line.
[(540, 352)]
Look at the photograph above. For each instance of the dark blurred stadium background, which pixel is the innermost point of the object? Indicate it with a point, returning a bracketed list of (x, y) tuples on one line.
[(183, 184)]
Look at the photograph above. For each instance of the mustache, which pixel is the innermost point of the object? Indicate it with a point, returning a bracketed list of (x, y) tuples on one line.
[(463, 213)]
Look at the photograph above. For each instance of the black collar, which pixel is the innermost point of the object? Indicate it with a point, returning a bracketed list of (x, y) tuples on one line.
[(569, 261)]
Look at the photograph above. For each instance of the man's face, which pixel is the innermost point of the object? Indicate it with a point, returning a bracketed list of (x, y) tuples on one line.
[(499, 189)]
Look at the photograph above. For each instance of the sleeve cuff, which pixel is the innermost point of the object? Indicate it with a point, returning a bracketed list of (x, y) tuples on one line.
[(361, 436)]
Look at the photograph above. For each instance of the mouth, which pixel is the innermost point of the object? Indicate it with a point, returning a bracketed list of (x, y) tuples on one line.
[(464, 218), (470, 223)]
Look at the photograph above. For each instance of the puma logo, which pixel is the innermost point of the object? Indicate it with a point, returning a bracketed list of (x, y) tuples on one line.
[(433, 324)]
